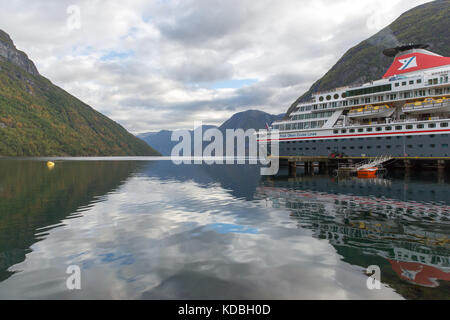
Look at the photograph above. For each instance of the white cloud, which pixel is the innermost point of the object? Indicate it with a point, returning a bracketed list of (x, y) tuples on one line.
[(150, 65)]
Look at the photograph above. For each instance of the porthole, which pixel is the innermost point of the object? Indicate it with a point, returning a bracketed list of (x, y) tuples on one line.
[(336, 96), (328, 97), (320, 98)]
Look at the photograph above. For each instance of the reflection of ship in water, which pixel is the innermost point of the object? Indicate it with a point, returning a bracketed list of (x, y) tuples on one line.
[(410, 238)]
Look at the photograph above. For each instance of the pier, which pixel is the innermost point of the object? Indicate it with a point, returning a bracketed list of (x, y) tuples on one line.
[(350, 164)]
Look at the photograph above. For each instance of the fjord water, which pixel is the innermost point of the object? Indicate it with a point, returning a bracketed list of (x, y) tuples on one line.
[(154, 230)]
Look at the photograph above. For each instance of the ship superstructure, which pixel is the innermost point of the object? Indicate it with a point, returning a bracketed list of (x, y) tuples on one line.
[(406, 113)]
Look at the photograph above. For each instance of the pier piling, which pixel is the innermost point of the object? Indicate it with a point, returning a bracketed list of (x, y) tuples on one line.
[(292, 165)]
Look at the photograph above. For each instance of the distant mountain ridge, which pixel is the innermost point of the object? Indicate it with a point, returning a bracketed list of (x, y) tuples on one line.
[(428, 23), (38, 118), (245, 120), (250, 119), (161, 140)]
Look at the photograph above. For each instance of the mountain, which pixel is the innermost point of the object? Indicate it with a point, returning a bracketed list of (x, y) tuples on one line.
[(428, 23), (250, 119), (243, 120), (38, 118), (161, 140)]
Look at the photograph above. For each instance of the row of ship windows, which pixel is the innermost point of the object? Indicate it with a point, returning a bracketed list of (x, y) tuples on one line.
[(381, 98), (409, 146), (390, 128), (401, 95), (300, 125), (442, 79), (358, 139), (397, 84), (312, 115)]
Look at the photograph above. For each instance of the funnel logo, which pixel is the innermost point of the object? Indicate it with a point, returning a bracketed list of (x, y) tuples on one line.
[(407, 63)]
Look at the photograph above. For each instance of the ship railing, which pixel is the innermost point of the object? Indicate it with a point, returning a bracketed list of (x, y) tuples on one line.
[(332, 90)]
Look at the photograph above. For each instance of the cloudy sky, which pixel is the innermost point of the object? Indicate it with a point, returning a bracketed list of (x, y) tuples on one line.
[(163, 64)]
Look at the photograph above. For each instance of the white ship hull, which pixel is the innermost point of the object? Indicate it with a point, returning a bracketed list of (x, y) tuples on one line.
[(407, 113)]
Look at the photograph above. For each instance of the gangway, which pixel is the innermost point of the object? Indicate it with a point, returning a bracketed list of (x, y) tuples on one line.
[(370, 163)]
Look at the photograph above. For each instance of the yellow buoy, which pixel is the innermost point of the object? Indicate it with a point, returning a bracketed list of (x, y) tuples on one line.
[(50, 164)]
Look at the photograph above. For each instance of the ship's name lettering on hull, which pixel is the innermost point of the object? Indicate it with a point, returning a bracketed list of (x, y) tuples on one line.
[(296, 135)]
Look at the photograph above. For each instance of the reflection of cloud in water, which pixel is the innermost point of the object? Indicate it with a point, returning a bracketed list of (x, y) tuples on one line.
[(154, 239), (230, 228)]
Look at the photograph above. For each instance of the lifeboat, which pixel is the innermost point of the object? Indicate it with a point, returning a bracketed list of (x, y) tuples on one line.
[(429, 105), (370, 111), (367, 173)]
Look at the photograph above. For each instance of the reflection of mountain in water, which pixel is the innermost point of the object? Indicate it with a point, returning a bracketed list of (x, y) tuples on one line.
[(240, 180), (409, 239), (34, 200)]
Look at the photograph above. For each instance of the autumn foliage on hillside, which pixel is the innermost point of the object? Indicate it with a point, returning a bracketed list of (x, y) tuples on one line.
[(38, 118)]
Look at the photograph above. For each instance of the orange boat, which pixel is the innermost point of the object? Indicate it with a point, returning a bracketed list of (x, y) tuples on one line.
[(367, 172)]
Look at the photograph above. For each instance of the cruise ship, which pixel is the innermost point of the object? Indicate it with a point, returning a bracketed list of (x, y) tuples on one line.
[(404, 114)]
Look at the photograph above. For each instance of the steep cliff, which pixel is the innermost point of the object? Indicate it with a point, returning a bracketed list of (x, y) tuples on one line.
[(38, 118)]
